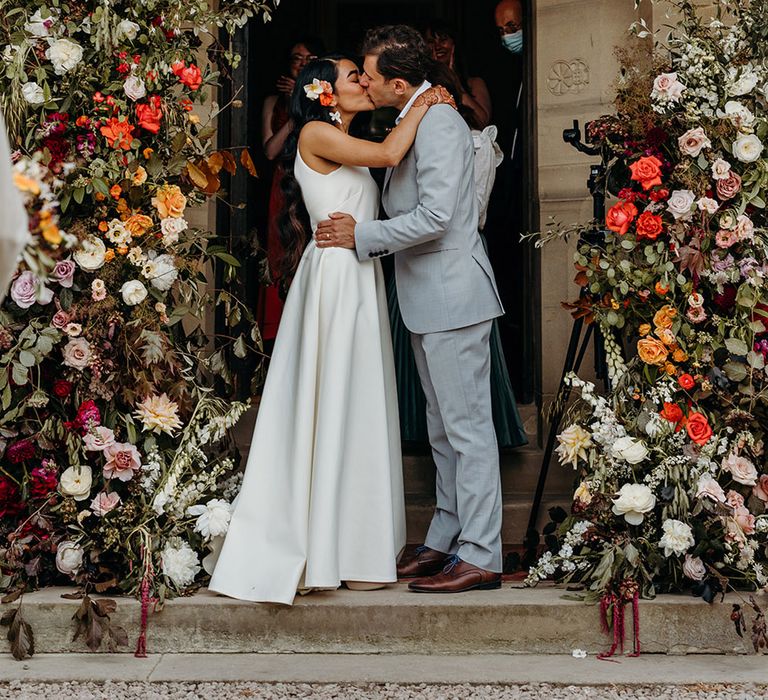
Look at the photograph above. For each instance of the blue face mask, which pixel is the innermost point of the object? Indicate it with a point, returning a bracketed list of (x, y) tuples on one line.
[(513, 42)]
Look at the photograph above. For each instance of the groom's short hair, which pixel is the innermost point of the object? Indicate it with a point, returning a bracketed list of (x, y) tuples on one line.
[(401, 52)]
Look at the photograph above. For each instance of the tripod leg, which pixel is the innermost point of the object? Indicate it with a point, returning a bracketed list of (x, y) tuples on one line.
[(572, 362)]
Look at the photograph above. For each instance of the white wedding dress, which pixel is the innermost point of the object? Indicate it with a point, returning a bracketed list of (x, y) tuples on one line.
[(322, 496)]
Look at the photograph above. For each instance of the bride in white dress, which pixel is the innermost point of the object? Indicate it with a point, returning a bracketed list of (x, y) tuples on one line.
[(322, 495)]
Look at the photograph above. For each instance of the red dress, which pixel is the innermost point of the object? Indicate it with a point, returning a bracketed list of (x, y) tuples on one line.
[(270, 304)]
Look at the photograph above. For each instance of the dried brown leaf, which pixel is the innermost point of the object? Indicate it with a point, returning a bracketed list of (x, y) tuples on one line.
[(247, 162)]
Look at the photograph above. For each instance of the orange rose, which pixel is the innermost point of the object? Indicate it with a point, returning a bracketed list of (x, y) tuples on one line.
[(698, 428), (109, 255), (664, 316), (169, 201), (116, 191), (666, 336), (679, 355), (149, 115), (686, 381), (99, 197), (119, 134), (147, 153), (645, 329), (190, 76), (138, 225), (649, 226), (620, 216), (670, 369), (661, 289), (652, 351), (647, 171), (103, 226)]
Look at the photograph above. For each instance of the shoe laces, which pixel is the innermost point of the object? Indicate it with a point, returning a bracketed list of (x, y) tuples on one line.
[(421, 549), (451, 565)]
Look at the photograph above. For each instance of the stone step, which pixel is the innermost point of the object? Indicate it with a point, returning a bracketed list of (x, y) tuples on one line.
[(419, 511), (394, 621)]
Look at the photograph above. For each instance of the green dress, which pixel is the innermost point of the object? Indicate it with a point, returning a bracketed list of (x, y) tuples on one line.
[(413, 403)]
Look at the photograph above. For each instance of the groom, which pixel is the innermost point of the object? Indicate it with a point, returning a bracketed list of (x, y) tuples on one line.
[(448, 299)]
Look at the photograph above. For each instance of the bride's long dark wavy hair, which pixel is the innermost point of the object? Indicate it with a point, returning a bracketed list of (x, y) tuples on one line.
[(293, 222)]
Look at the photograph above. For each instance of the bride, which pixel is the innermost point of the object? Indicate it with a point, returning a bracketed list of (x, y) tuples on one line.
[(322, 495)]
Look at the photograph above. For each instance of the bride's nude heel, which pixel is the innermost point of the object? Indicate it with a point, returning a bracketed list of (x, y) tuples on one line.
[(364, 585)]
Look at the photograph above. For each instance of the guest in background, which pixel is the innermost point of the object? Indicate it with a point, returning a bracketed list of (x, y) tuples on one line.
[(474, 100), (275, 127), (14, 229)]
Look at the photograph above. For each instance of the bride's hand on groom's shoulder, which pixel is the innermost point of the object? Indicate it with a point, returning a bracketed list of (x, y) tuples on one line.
[(337, 231), (436, 95)]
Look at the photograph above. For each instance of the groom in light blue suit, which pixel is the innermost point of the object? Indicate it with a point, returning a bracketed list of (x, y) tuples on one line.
[(448, 299)]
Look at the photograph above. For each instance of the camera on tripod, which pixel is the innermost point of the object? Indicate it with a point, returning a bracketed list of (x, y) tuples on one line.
[(595, 182)]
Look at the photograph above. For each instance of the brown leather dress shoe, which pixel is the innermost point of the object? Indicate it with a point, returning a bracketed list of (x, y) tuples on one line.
[(458, 576), (427, 562)]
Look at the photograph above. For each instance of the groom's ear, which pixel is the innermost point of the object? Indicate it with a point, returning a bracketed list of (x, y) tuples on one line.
[(399, 86)]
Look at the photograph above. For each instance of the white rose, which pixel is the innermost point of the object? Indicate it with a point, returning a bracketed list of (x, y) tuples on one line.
[(721, 169), (709, 486), (741, 84), (134, 292), (164, 273), (77, 353), (128, 30), (69, 557), (64, 54), (134, 87), (680, 203), (171, 227), (693, 142), (76, 482), (677, 538), (630, 450), (742, 470), (180, 563), (694, 568), (633, 501), (747, 148), (212, 518), (707, 204), (736, 113), (33, 93), (91, 255)]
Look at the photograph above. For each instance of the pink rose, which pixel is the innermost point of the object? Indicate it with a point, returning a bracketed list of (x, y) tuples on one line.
[(694, 568), (742, 470), (98, 439), (734, 499), (61, 319), (27, 289), (77, 353), (745, 520), (729, 187), (104, 502), (64, 272), (123, 459), (709, 487), (761, 488), (693, 141)]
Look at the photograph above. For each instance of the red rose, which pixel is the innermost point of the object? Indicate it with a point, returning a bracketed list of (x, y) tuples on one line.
[(177, 67), (20, 451), (686, 381), (62, 388), (191, 77), (673, 413), (88, 413), (647, 171), (698, 428), (649, 226), (659, 195), (42, 482), (150, 115), (620, 216)]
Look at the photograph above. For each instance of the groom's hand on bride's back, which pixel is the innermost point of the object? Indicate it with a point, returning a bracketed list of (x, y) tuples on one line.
[(337, 231)]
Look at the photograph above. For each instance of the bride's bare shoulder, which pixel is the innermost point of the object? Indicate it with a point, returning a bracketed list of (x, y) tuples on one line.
[(314, 130)]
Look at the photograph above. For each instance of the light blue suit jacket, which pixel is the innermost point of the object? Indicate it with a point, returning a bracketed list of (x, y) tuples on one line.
[(444, 278)]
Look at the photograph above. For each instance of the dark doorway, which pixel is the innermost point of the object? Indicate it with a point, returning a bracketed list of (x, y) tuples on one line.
[(341, 24)]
